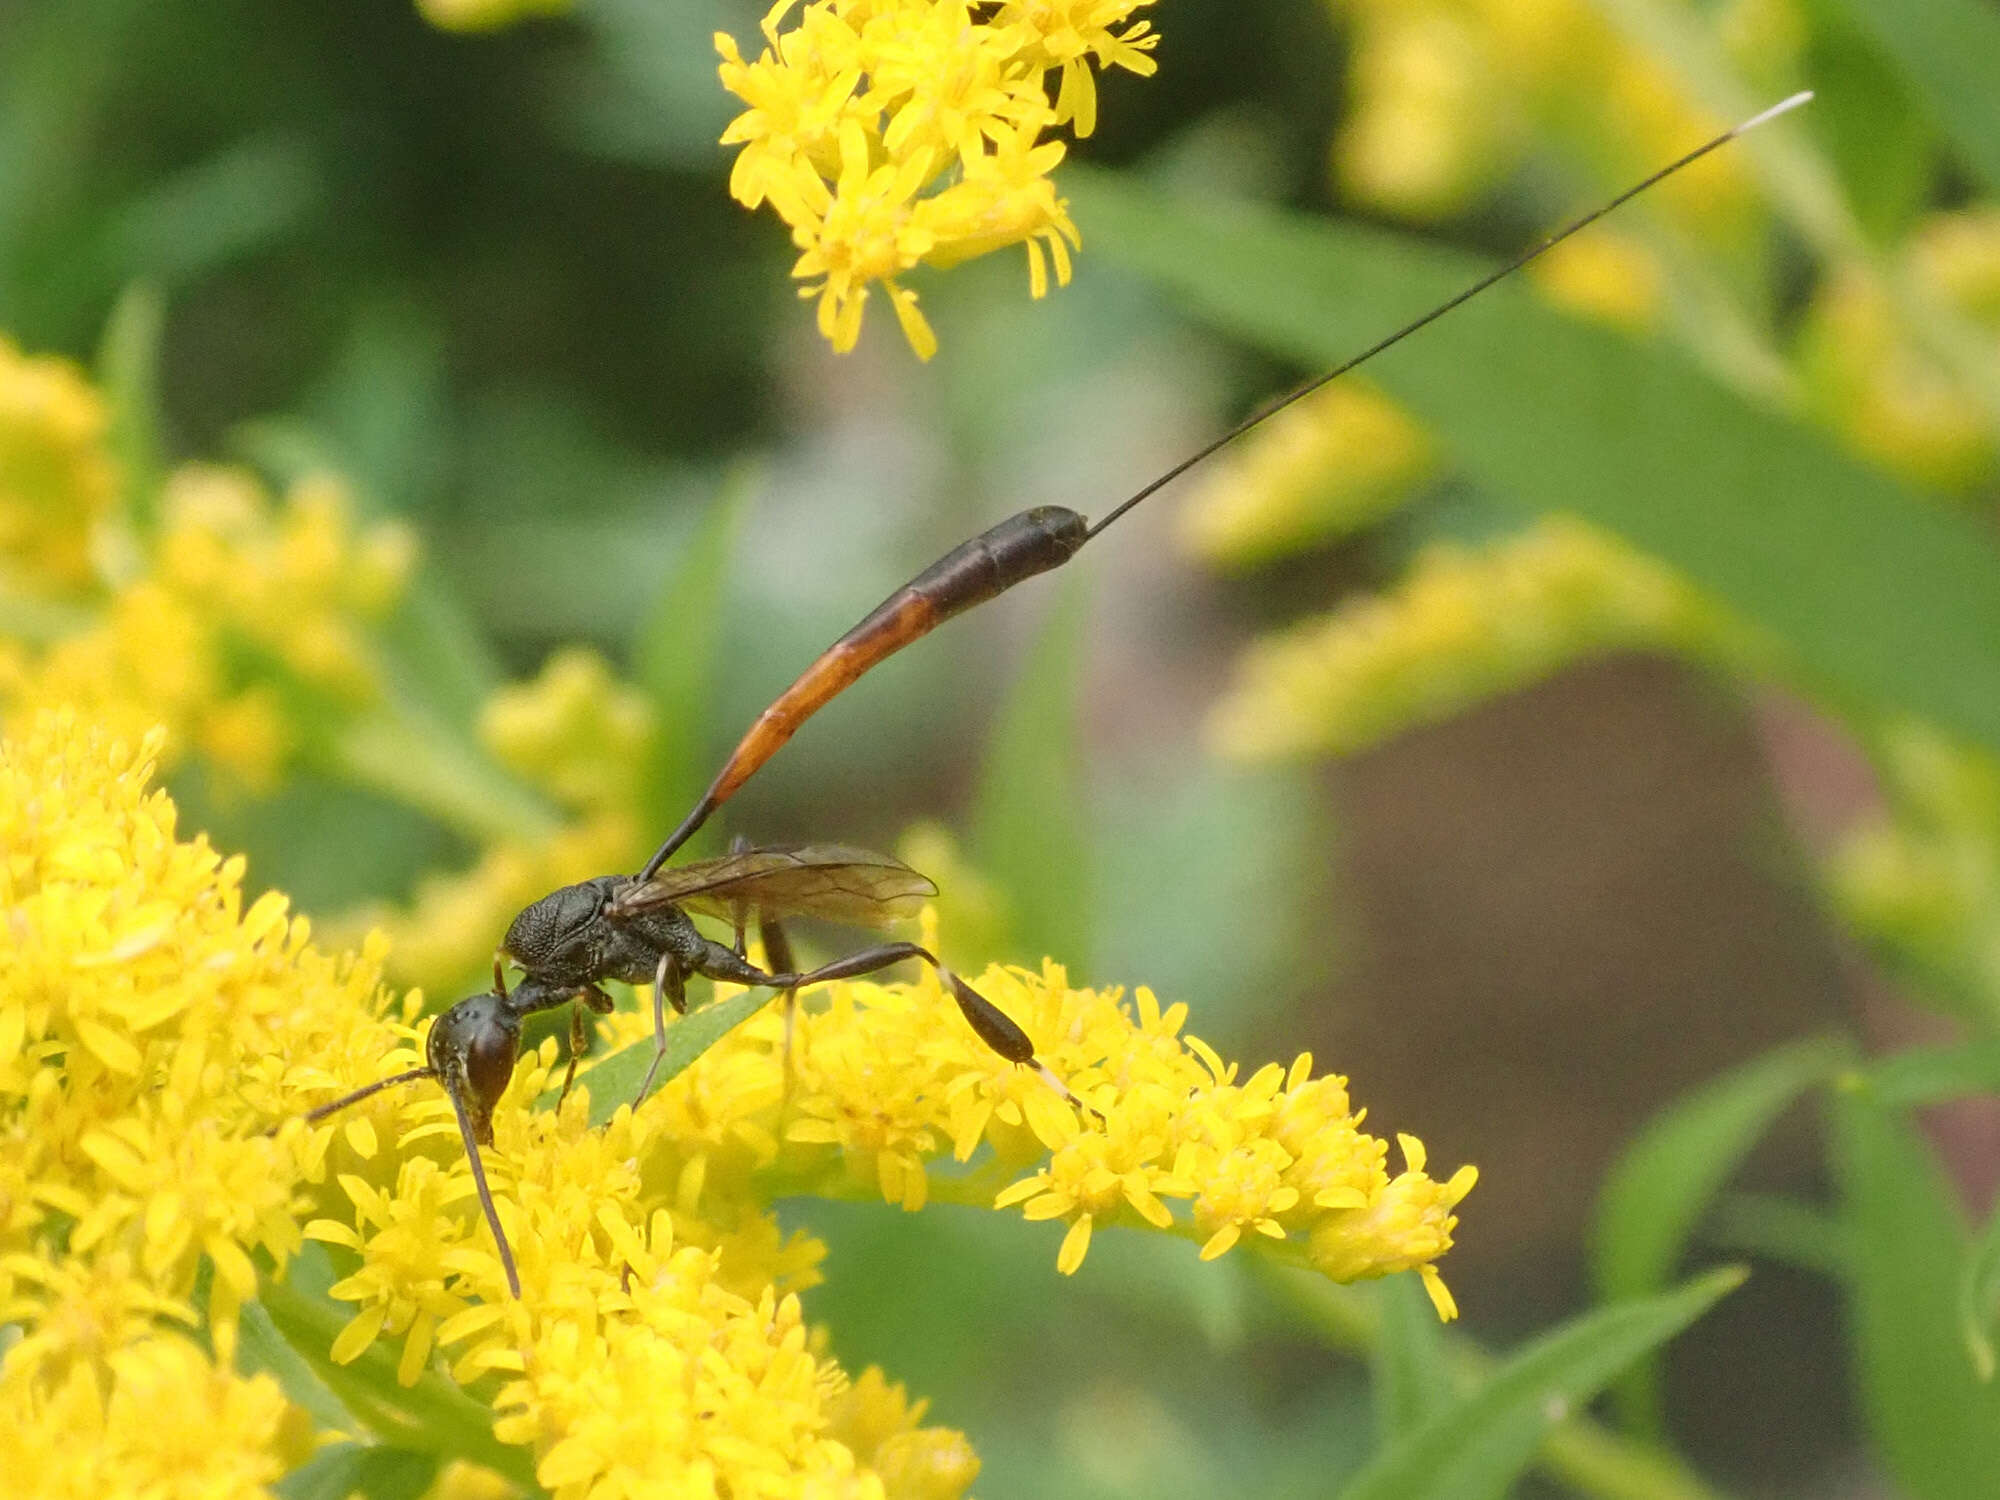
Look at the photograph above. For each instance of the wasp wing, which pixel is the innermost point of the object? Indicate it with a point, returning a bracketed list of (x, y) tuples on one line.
[(829, 881)]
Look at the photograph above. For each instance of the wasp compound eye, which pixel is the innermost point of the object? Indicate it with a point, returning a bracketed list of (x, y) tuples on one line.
[(472, 1048)]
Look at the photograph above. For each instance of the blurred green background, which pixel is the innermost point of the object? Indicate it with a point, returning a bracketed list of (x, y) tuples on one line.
[(497, 283)]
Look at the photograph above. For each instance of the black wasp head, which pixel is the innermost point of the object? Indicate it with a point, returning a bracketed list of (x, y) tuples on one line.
[(472, 1048), (556, 939)]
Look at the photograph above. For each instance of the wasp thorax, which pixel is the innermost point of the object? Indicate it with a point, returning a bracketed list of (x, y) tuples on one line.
[(472, 1048), (547, 935)]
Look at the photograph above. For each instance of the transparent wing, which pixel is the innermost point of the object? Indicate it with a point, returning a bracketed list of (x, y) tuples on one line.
[(829, 881)]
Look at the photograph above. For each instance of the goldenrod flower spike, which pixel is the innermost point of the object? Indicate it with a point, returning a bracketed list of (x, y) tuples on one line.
[(889, 134)]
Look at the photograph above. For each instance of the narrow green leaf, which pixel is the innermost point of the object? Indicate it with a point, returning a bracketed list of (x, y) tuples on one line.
[(1933, 1075), (616, 1079), (358, 1468), (1950, 52), (1477, 1446), (260, 1348), (1979, 1297), (432, 1415), (234, 203), (1883, 147), (1783, 1230), (1412, 1381), (429, 767), (1657, 1191), (676, 651), (1031, 820), (1935, 1426), (128, 367), (1885, 599)]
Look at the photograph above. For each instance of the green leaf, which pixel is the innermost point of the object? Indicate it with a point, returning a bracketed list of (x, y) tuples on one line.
[(128, 367), (1479, 1444), (1658, 1189), (1950, 52), (675, 653), (234, 203), (1412, 1382), (1935, 1426), (261, 1349), (1887, 600), (433, 768), (347, 1468), (1031, 820), (616, 1079), (433, 1415), (1933, 1075), (1884, 148), (1783, 1230), (1979, 1297)]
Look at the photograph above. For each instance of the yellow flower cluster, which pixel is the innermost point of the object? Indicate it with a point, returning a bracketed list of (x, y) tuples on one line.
[(1866, 377), (1924, 880), (56, 480), (1447, 95), (139, 1005), (1336, 462), (240, 623), (151, 1029), (1461, 626), (574, 732), (893, 133)]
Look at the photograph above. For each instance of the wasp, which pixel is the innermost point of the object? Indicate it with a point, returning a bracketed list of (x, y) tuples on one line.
[(638, 928)]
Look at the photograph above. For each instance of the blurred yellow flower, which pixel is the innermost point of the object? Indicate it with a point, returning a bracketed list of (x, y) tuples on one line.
[(1868, 378), (892, 135), (1605, 274), (1446, 96), (244, 618), (1461, 626), (1923, 880), (57, 481), (1334, 463)]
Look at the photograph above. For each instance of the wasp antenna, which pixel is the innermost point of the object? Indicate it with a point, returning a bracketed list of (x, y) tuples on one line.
[(314, 1116), (485, 1193), (1299, 393)]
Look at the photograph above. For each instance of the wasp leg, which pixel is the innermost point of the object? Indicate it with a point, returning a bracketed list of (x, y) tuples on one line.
[(778, 957), (669, 988), (579, 1034), (739, 845), (992, 1025)]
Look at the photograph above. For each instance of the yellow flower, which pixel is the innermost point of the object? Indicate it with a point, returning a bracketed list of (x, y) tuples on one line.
[(1923, 879), (1427, 126), (57, 481), (245, 617), (574, 731), (890, 134), (138, 1003), (154, 1028), (1462, 626), (1335, 462), (163, 1421), (1605, 274)]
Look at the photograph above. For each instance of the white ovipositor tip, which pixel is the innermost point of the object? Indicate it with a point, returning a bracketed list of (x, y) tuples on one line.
[(1782, 107)]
